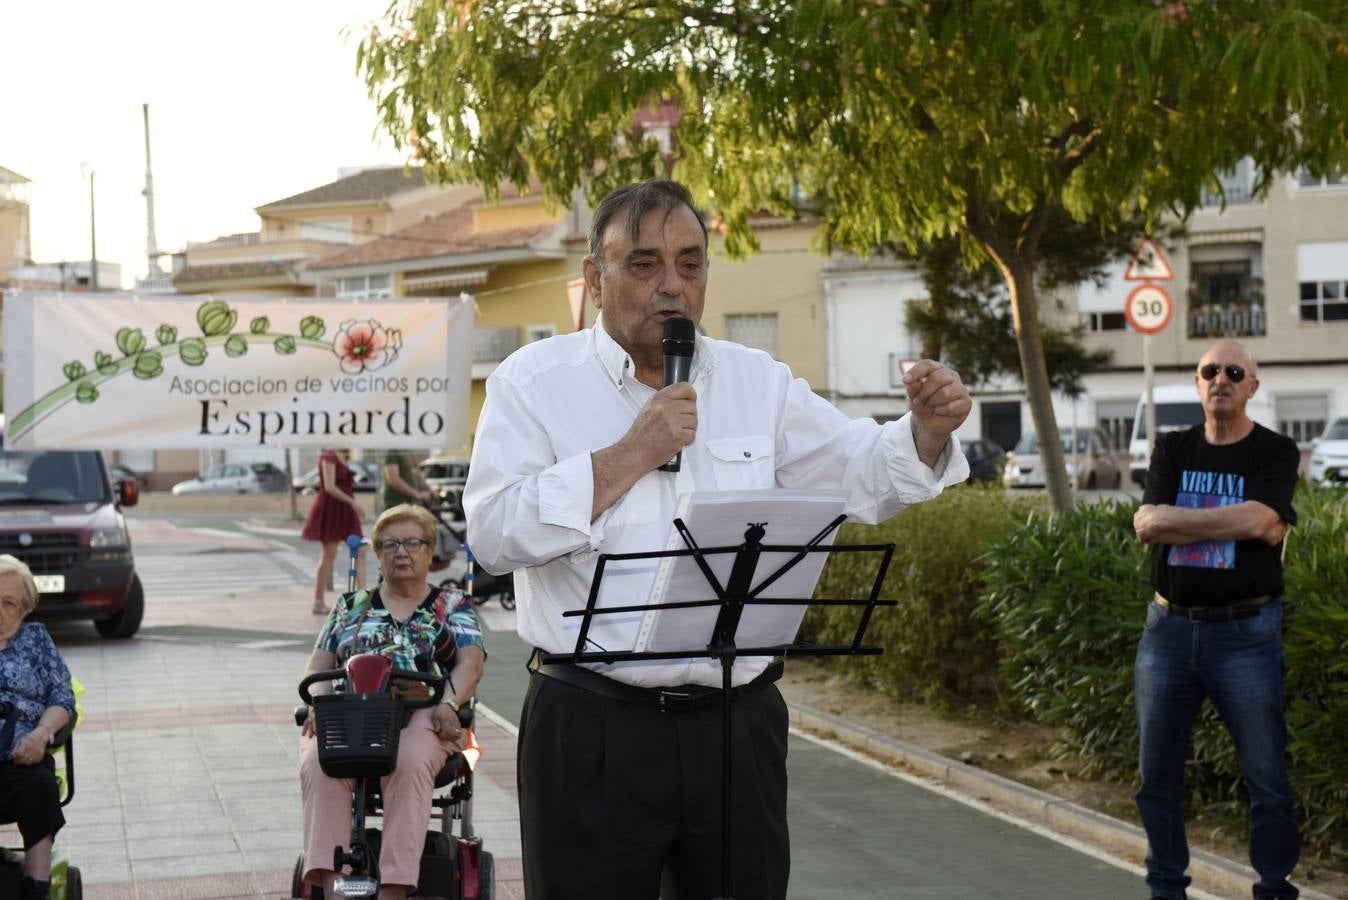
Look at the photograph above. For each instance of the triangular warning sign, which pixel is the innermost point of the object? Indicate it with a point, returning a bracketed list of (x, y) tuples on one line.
[(1148, 263)]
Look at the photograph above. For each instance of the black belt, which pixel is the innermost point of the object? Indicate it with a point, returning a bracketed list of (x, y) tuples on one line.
[(684, 698), (1244, 610)]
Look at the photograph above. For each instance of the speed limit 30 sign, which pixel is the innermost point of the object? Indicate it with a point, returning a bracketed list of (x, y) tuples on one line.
[(1149, 309)]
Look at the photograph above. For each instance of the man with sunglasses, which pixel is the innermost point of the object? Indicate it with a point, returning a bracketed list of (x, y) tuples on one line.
[(1217, 505)]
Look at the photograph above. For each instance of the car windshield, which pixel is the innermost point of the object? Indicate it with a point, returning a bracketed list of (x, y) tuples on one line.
[(51, 476), (445, 469), (1337, 432), (1172, 417), (1029, 445)]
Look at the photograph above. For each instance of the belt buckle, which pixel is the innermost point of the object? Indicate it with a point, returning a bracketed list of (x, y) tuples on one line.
[(668, 701)]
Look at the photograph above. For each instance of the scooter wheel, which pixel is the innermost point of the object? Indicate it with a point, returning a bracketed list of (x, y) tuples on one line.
[(507, 601)]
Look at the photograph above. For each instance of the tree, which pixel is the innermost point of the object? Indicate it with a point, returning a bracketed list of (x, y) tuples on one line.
[(915, 120)]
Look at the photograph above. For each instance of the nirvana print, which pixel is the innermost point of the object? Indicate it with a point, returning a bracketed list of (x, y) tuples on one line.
[(1205, 490)]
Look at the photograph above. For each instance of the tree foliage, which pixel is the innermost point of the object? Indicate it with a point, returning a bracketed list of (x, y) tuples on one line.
[(916, 120)]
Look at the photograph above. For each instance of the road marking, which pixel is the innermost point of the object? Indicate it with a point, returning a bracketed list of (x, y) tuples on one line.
[(497, 719), (985, 809), (267, 529)]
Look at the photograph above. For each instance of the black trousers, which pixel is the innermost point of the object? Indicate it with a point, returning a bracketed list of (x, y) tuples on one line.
[(611, 793), (30, 796)]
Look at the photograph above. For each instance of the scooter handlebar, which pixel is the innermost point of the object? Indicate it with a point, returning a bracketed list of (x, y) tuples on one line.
[(435, 682)]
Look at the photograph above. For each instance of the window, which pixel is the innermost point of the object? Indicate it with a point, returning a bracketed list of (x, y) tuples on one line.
[(757, 330), (1115, 419), (1333, 179), (1236, 185), (1097, 322), (1302, 418), (1324, 301), (538, 332), (366, 287), (1225, 300)]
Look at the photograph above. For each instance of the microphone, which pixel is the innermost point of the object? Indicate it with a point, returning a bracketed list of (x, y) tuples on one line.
[(678, 347)]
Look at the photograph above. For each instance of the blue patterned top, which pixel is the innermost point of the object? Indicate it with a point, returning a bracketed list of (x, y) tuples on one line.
[(33, 677), (426, 642)]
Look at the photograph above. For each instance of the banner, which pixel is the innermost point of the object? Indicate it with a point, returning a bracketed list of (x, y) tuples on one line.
[(99, 371)]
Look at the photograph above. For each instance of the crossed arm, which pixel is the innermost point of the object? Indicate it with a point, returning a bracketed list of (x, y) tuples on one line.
[(1157, 523)]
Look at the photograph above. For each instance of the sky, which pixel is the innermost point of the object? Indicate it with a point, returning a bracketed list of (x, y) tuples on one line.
[(250, 102)]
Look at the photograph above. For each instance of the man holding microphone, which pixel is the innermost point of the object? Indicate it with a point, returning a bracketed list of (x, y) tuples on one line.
[(617, 772)]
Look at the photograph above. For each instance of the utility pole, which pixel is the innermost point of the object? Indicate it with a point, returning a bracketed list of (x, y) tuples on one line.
[(93, 230), (151, 244)]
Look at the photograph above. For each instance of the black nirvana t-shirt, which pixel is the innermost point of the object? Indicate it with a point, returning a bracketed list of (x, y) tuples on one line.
[(1188, 471)]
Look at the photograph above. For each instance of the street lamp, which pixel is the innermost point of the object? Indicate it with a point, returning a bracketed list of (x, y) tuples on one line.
[(86, 169)]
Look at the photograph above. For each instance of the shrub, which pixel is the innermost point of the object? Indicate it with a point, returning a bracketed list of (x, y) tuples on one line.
[(1068, 595), (935, 641)]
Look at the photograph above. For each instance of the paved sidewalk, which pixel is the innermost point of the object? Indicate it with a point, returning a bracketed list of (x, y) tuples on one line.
[(186, 759)]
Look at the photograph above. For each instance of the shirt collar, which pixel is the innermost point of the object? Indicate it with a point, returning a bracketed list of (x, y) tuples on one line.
[(619, 367)]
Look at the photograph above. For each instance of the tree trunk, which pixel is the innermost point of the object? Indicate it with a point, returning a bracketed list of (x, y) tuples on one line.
[(931, 342), (1038, 392), (1016, 259)]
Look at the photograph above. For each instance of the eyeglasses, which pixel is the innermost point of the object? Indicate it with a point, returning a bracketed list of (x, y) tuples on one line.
[(1235, 373), (411, 545)]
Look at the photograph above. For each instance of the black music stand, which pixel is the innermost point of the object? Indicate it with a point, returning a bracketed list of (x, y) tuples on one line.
[(738, 592)]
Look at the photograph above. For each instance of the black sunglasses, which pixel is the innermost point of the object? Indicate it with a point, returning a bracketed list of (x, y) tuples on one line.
[(1235, 373)]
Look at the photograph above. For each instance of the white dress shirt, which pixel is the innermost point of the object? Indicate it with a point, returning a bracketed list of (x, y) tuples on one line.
[(530, 492)]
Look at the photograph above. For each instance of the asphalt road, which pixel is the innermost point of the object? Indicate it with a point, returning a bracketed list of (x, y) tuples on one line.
[(858, 830)]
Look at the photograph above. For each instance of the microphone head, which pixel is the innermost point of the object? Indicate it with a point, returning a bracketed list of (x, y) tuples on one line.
[(678, 338)]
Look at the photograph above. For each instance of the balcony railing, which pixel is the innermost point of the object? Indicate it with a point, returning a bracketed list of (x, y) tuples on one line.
[(1236, 320)]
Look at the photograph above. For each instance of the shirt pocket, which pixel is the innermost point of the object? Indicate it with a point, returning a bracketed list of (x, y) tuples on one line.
[(742, 463)]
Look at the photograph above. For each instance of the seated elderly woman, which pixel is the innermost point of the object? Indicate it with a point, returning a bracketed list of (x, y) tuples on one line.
[(34, 680), (419, 627)]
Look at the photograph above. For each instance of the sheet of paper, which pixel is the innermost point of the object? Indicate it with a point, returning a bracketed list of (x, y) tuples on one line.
[(720, 519)]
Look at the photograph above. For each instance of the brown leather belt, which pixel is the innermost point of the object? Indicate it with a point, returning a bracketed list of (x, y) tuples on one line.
[(683, 698), (1244, 610)]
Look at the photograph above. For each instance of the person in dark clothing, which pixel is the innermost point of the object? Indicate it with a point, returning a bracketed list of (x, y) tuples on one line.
[(1217, 506)]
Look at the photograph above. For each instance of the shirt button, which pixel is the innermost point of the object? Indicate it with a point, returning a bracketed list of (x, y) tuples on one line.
[(747, 454)]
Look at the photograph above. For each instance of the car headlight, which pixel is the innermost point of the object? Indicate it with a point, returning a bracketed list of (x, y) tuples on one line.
[(108, 539)]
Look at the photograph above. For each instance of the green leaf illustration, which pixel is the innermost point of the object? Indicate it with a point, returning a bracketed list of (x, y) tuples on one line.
[(259, 325), (285, 345), (237, 345), (103, 362), (130, 341), (74, 370), (216, 318), (192, 351), (312, 327), (166, 334), (148, 365), (86, 393)]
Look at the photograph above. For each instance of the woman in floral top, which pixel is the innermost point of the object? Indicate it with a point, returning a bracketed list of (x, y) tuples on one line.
[(35, 682), (418, 627)]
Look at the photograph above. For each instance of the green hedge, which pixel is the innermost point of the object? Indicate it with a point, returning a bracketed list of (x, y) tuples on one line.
[(937, 644), (1069, 594)]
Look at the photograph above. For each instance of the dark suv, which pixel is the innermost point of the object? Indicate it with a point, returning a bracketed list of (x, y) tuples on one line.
[(61, 514)]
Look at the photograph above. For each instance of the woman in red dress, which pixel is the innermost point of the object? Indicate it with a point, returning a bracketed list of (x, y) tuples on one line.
[(334, 516)]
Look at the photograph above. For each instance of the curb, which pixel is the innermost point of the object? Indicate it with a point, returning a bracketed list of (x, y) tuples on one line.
[(1209, 871)]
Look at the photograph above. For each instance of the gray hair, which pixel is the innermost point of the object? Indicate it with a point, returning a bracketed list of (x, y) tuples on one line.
[(638, 199), (14, 565)]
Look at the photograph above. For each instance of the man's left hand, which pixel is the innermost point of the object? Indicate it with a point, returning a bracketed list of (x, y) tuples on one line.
[(939, 400), (1150, 522)]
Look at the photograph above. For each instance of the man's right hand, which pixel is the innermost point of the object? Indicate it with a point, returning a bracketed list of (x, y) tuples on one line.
[(665, 425)]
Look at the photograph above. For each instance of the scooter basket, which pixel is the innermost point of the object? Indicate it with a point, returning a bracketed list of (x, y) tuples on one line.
[(357, 734)]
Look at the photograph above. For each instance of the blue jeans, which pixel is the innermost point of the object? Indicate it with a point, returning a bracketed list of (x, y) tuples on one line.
[(1239, 665)]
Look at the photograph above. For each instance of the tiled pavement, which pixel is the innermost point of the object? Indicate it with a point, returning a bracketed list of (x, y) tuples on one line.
[(186, 783)]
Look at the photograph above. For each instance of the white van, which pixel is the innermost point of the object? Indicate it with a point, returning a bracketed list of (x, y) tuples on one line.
[(1178, 408)]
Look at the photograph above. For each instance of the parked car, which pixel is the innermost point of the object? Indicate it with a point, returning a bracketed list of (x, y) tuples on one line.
[(1094, 467), (443, 472), (120, 472), (1329, 455), (235, 478), (986, 459), (366, 477), (61, 513)]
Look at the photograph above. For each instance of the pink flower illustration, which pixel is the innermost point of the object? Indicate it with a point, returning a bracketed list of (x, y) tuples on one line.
[(365, 345)]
